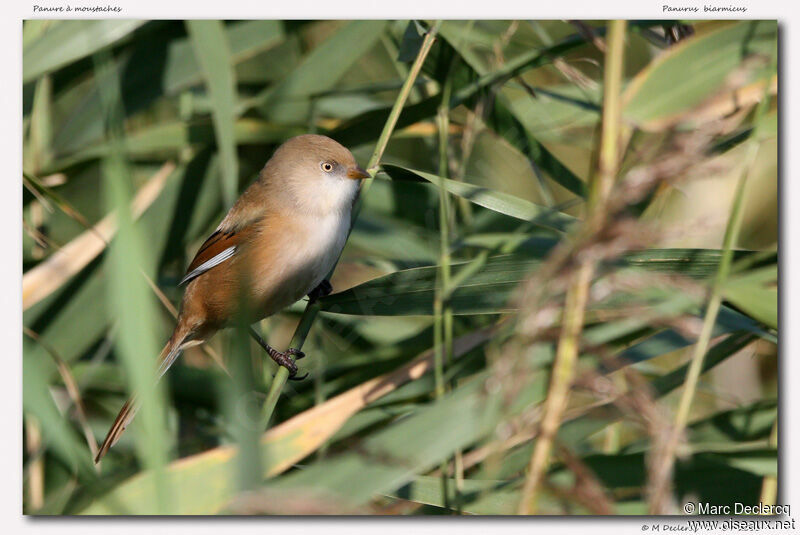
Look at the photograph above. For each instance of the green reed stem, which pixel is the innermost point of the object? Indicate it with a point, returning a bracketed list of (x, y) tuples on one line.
[(661, 487), (443, 311)]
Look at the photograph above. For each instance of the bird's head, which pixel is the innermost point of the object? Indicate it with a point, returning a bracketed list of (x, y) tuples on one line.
[(317, 172)]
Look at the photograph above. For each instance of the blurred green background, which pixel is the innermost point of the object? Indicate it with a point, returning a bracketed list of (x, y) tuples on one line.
[(165, 122)]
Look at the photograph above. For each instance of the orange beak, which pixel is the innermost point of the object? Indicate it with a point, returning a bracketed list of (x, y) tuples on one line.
[(357, 173)]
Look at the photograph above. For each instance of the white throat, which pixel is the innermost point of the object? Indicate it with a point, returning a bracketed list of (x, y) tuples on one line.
[(327, 196)]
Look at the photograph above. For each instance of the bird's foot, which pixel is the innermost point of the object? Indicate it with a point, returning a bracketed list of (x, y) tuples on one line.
[(284, 358), (323, 288)]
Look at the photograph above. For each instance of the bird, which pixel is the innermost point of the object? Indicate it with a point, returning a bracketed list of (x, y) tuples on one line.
[(276, 244)]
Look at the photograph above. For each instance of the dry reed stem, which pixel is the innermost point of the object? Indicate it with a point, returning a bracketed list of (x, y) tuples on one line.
[(33, 445), (578, 288), (769, 488), (560, 384), (47, 277)]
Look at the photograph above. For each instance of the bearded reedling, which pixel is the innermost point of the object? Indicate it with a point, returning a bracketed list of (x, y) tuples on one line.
[(276, 244)]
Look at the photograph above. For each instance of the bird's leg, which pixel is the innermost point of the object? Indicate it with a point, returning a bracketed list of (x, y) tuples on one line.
[(323, 288), (283, 358)]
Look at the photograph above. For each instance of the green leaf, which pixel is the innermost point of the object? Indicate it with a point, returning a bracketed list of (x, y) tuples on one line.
[(213, 53), (70, 41), (756, 292), (520, 120), (696, 69), (412, 41), (732, 431), (320, 70), (768, 125), (557, 112), (359, 129), (32, 29), (244, 38), (742, 424), (411, 291), (503, 203), (39, 148), (167, 139), (148, 82), (393, 239), (760, 461), (669, 340)]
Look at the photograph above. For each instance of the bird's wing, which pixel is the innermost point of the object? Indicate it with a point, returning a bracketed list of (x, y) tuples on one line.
[(218, 248)]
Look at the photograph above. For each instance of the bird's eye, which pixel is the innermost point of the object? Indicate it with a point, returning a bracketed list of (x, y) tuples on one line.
[(327, 167)]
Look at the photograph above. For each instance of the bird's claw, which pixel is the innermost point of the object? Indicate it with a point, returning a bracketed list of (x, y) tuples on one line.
[(296, 353), (297, 356)]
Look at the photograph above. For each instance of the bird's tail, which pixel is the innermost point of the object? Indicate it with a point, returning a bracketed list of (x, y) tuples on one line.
[(179, 340)]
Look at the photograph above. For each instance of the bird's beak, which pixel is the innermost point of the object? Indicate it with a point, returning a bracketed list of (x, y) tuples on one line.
[(357, 173)]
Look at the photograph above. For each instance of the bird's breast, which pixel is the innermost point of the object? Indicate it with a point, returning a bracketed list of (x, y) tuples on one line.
[(292, 258)]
